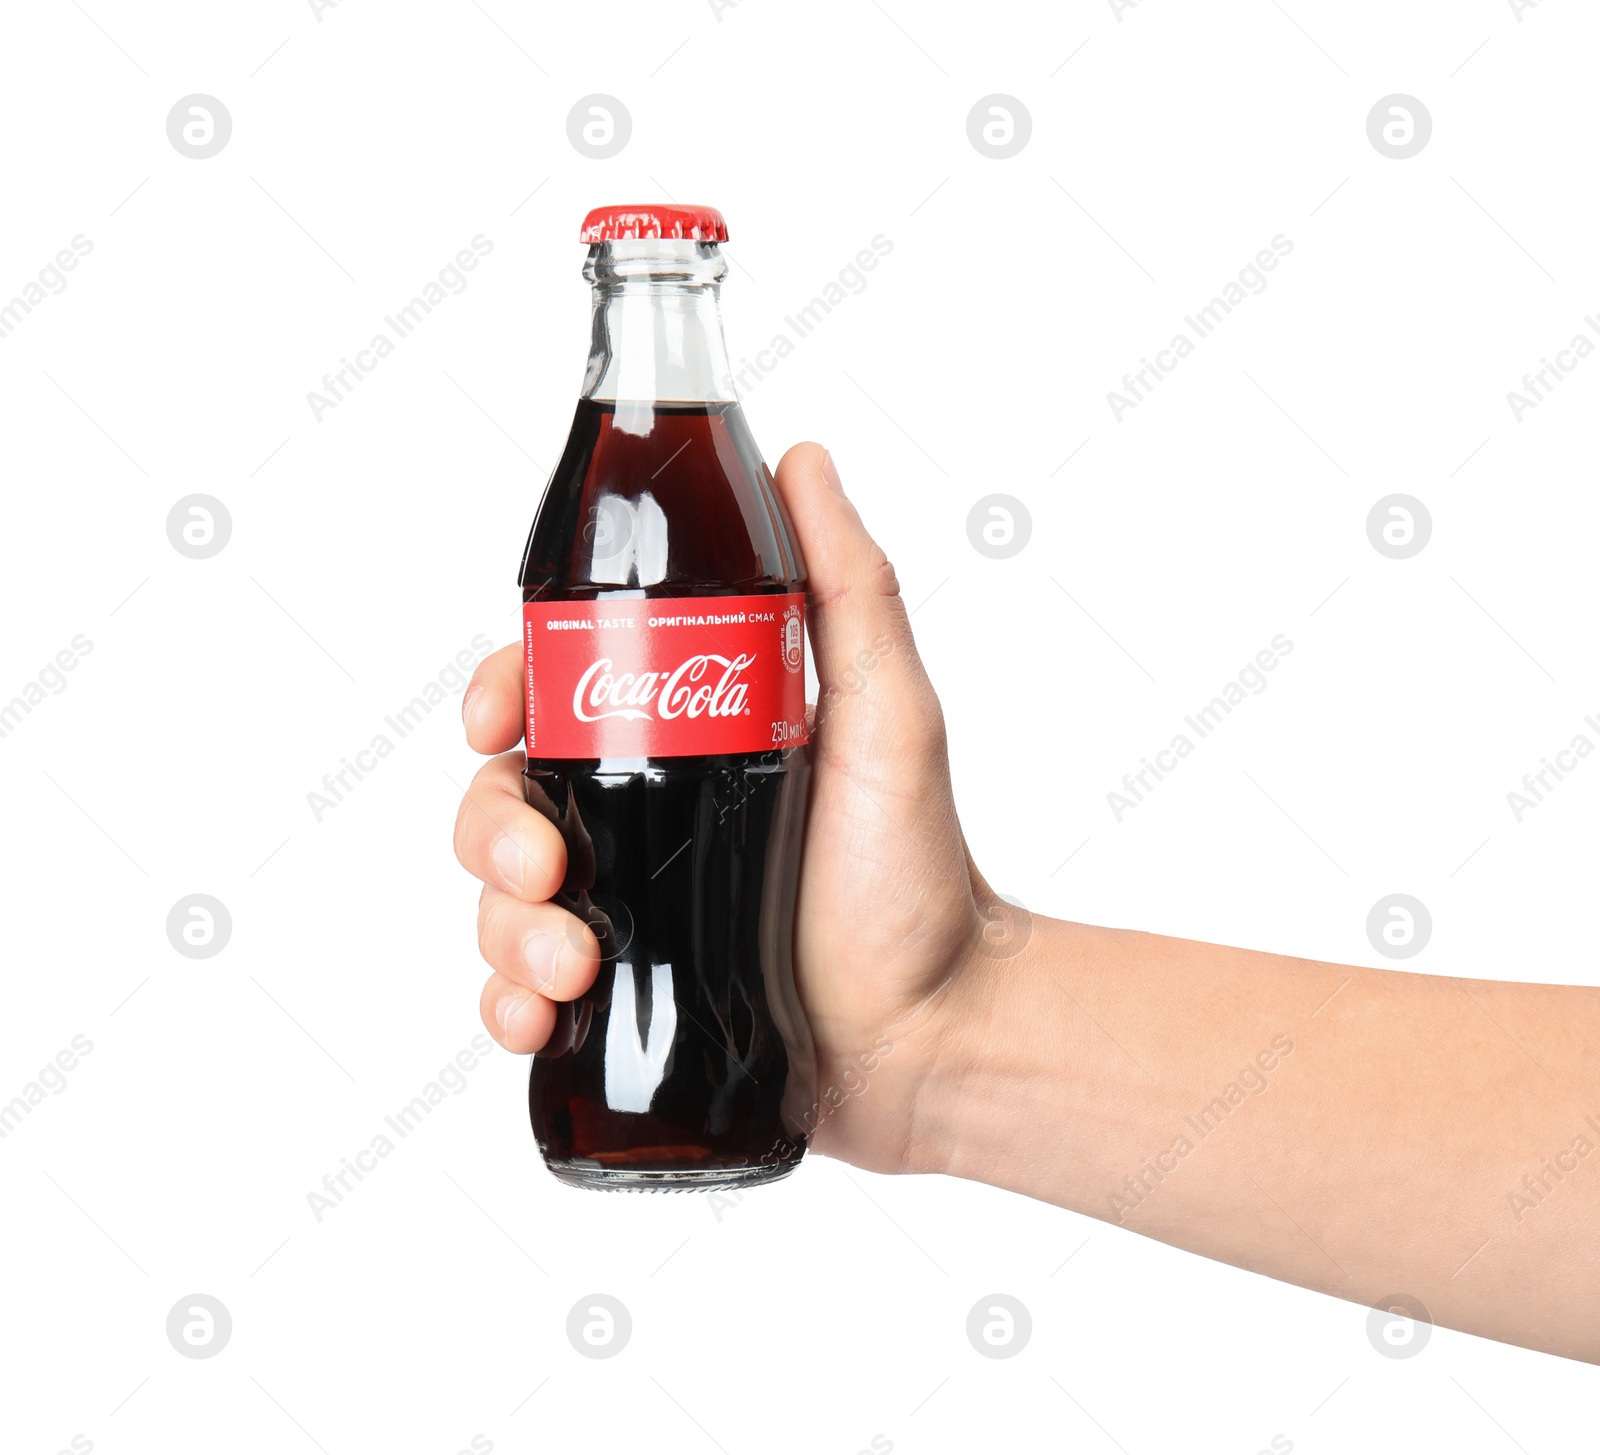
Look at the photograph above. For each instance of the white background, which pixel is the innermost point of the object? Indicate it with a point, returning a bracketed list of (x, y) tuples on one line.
[(370, 144)]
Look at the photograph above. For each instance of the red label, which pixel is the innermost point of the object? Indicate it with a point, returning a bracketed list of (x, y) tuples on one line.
[(665, 677)]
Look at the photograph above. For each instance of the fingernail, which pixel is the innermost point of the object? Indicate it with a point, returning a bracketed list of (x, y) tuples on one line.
[(508, 862), (541, 952), (509, 1006), (467, 701), (830, 473)]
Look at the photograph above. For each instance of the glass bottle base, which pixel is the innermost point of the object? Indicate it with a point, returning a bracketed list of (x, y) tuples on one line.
[(577, 1172)]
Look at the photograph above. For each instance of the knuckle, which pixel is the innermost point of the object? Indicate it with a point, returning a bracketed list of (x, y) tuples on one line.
[(930, 733), (460, 834), (881, 573), (491, 926), (487, 999)]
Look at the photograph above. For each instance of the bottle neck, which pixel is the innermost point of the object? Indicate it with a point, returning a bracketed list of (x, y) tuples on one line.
[(657, 329)]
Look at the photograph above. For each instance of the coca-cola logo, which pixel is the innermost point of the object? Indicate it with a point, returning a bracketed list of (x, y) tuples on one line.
[(694, 688)]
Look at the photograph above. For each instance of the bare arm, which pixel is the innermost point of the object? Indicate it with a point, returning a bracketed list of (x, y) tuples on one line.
[(1362, 1132)]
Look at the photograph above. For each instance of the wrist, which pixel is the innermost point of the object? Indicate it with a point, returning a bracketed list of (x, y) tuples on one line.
[(1026, 1087), (984, 1062)]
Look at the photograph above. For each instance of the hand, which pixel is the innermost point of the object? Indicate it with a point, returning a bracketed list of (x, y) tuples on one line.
[(891, 915)]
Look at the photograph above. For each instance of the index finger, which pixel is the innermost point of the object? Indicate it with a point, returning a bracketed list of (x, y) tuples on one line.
[(494, 708)]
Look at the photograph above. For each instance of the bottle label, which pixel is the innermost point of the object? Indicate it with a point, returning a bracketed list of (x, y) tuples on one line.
[(665, 677)]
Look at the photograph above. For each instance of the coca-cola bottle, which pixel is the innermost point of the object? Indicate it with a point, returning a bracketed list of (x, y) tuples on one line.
[(664, 629)]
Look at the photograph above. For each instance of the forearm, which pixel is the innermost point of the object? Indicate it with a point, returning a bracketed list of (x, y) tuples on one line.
[(1361, 1132)]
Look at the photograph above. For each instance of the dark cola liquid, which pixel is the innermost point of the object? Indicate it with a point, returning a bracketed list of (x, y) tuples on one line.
[(689, 1063)]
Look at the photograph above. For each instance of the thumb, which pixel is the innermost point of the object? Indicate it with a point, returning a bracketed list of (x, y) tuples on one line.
[(858, 621)]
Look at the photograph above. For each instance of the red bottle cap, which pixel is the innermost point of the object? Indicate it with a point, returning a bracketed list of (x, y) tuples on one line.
[(639, 220)]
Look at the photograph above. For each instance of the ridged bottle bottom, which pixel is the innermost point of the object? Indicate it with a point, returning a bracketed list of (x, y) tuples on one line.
[(593, 1177)]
